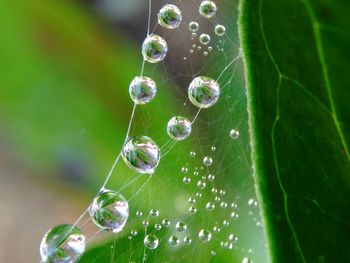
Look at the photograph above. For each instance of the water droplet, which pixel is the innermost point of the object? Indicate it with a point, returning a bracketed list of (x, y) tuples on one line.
[(166, 223), (214, 190), (201, 184), (180, 226), (145, 223), (234, 134), (151, 241), (187, 240), (232, 238), (223, 205), (133, 233), (234, 215), (173, 241), (154, 213), (222, 192), (207, 161), (142, 90), (141, 154), (213, 253), (247, 260), (211, 177), (217, 199), (226, 223), (158, 227), (220, 30), (139, 213), (109, 210), (195, 173), (194, 35), (192, 154), (199, 47), (203, 92), (184, 170), (186, 180), (191, 51), (216, 229), (192, 210), (198, 195), (179, 128), (213, 148), (154, 49), (204, 235), (204, 39), (207, 9), (191, 200), (210, 49), (169, 16), (193, 26), (210, 206), (252, 203)]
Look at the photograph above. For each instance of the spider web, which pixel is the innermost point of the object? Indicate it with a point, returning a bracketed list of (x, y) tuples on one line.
[(165, 190)]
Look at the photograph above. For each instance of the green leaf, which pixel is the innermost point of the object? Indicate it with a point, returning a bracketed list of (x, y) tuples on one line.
[(296, 60)]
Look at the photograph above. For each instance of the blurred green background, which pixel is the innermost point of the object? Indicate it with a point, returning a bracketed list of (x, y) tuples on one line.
[(64, 111)]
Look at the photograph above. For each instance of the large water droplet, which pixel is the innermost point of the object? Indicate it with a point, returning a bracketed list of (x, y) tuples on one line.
[(141, 154), (109, 210), (154, 49), (207, 161), (204, 235), (204, 39), (207, 9), (62, 244), (220, 30), (169, 16), (203, 92), (179, 128), (151, 241), (142, 90)]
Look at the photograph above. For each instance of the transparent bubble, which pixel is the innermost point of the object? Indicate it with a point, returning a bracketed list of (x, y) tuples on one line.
[(193, 26), (234, 134), (199, 47), (220, 30), (204, 235), (186, 180), (179, 128), (62, 244), (151, 241), (181, 226), (210, 206), (158, 227), (142, 90), (203, 92), (139, 213), (141, 154), (166, 223), (192, 210), (187, 240), (204, 39), (154, 213), (184, 170), (207, 161), (169, 16), (211, 177), (207, 9), (205, 53), (173, 241), (109, 210), (192, 154), (210, 49), (154, 49), (201, 184)]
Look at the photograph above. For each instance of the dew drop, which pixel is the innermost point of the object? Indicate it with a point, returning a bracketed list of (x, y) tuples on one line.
[(211, 177), (252, 203), (158, 227), (154, 213), (187, 240), (139, 213), (109, 210), (201, 184), (213, 148), (203, 92), (154, 49), (145, 223), (180, 227), (220, 30), (63, 243), (173, 241), (214, 190), (191, 200), (142, 90), (210, 206), (133, 233), (192, 210), (184, 170), (226, 223), (223, 205), (186, 180), (222, 192), (234, 134), (207, 9), (194, 35), (179, 128), (213, 253), (193, 26), (210, 49), (151, 241), (141, 154), (192, 154), (216, 229), (195, 173), (169, 16), (207, 161), (232, 238), (204, 235), (247, 260), (217, 199), (166, 223), (204, 39)]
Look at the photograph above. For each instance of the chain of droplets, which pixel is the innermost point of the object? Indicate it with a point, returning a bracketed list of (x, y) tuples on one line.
[(109, 209)]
